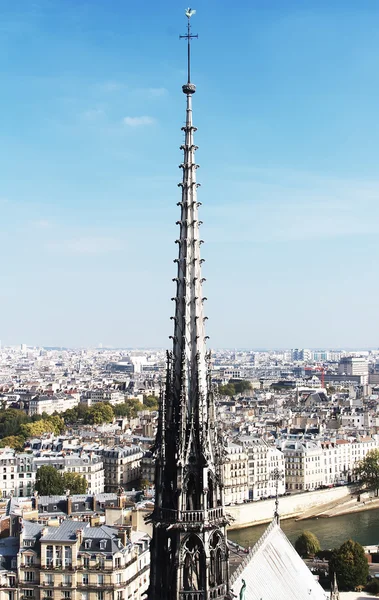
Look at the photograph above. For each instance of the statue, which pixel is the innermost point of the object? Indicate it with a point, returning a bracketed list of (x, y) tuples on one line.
[(243, 590)]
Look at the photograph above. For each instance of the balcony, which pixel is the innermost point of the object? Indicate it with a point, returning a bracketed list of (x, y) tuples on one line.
[(191, 516), (199, 595)]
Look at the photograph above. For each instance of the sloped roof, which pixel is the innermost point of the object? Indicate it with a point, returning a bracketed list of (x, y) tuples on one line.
[(273, 570)]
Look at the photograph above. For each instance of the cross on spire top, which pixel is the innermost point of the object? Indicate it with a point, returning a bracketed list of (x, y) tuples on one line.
[(189, 88)]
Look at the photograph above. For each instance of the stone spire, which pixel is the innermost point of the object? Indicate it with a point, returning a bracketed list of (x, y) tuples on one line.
[(334, 592), (189, 555)]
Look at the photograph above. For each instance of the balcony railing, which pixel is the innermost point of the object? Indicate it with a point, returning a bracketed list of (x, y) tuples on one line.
[(191, 516), (192, 595)]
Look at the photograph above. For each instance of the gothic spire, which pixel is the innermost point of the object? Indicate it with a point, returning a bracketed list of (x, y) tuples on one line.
[(189, 557)]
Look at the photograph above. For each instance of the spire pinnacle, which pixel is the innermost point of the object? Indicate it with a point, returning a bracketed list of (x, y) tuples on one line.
[(189, 88)]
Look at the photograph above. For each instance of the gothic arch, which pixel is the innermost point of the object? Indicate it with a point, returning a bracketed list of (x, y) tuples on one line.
[(217, 559), (193, 560)]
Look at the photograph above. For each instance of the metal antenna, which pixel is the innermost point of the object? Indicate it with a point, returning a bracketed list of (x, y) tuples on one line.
[(189, 36)]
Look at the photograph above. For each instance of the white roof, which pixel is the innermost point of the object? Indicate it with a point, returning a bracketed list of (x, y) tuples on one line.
[(273, 570)]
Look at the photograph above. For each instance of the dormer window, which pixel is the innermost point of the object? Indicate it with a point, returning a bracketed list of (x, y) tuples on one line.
[(103, 544), (87, 544)]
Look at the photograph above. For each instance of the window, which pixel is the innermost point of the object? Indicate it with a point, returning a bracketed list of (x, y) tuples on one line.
[(49, 580), (48, 593), (87, 544), (118, 578), (100, 580), (66, 579), (66, 594), (29, 576), (29, 593), (84, 596), (103, 544), (100, 595), (85, 579)]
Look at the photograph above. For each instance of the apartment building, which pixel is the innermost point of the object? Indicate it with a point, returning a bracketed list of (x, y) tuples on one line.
[(105, 395), (266, 466), (311, 464), (235, 475), (17, 476), (89, 466), (51, 404), (122, 465), (74, 561)]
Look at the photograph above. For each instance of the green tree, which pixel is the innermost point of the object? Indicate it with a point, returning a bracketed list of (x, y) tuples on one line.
[(13, 441), (76, 483), (101, 412), (350, 565), (241, 385), (57, 423), (307, 544), (36, 429), (10, 421), (49, 481), (227, 390), (129, 408), (150, 402), (368, 470)]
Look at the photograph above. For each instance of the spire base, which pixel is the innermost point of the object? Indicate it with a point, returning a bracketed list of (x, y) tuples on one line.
[(189, 88)]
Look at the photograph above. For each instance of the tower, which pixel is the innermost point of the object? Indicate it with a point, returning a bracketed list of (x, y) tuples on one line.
[(334, 592), (189, 555)]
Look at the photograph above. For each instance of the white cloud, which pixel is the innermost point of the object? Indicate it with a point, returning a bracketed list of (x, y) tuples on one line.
[(93, 113), (112, 86), (138, 121), (87, 245), (157, 92)]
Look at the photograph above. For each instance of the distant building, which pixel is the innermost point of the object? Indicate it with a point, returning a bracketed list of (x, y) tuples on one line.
[(263, 461), (349, 365), (122, 466), (89, 466), (235, 475)]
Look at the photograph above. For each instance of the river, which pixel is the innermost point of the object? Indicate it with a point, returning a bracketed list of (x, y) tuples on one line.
[(362, 527)]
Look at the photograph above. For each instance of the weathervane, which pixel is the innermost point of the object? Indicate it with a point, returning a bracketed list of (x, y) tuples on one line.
[(189, 36), (277, 476)]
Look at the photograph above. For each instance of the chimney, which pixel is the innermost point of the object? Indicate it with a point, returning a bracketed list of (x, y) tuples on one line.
[(93, 501), (35, 501), (124, 535), (79, 536), (69, 503), (120, 497)]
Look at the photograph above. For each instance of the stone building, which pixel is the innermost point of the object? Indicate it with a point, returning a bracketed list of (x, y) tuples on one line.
[(235, 475), (77, 562), (122, 466)]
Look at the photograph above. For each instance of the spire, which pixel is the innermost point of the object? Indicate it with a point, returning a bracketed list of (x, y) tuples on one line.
[(189, 348), (189, 557), (277, 475), (334, 592)]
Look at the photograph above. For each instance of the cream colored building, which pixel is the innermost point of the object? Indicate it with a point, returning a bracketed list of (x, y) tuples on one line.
[(122, 465), (311, 464), (77, 562), (235, 475), (265, 464)]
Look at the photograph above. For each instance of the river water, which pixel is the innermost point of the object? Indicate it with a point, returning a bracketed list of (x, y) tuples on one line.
[(362, 527)]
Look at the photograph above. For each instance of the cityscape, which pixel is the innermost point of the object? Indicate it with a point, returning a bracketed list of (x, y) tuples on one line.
[(190, 471)]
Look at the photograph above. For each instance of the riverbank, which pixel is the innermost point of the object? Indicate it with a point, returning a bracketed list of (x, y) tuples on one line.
[(294, 506)]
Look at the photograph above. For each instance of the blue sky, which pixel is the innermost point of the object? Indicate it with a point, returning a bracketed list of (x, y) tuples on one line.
[(287, 115)]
